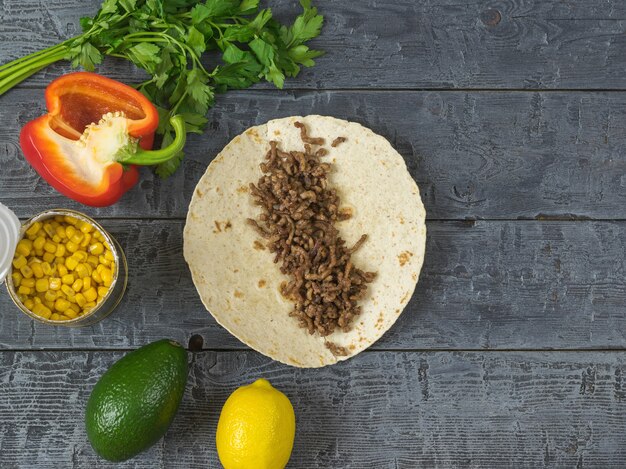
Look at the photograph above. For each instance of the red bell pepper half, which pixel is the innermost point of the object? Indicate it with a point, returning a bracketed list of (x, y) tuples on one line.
[(95, 132)]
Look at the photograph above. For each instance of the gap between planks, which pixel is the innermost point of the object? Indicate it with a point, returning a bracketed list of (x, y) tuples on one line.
[(403, 89), (607, 350), (468, 221)]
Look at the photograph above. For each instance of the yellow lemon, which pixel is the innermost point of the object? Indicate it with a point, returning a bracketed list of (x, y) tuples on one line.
[(256, 429)]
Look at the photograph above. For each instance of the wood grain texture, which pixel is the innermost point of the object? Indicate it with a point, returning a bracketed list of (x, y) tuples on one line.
[(485, 285), (378, 411), (474, 155), (402, 44)]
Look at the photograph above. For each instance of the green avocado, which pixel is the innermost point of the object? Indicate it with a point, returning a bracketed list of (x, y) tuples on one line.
[(135, 401)]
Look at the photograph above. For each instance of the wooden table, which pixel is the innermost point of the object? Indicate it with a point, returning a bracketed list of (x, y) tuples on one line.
[(511, 115)]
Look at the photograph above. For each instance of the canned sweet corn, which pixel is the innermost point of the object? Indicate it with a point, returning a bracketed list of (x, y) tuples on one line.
[(64, 269)]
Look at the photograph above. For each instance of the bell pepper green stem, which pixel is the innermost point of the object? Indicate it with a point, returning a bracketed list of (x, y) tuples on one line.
[(153, 157)]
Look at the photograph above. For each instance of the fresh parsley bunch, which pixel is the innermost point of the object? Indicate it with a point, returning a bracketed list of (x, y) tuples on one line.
[(168, 38)]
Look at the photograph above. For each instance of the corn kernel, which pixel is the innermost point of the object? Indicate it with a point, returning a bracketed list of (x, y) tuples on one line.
[(22, 290), (28, 282), (70, 220), (37, 300), (42, 285), (39, 252), (82, 271), (49, 229), (37, 270), (100, 268), (89, 305), (34, 228), (68, 279), (77, 237), (42, 310), (86, 283), (50, 247), (60, 250), (19, 262), (80, 299), (107, 277), (61, 305), (60, 232), (95, 276), (91, 294), (47, 268), (102, 291), (24, 247), (96, 249), (49, 304), (86, 241), (17, 278), (56, 238), (55, 316), (71, 313), (54, 283), (62, 269), (104, 261), (50, 296), (81, 255), (86, 227), (48, 257), (77, 285), (71, 263), (26, 271), (67, 290), (93, 261), (69, 231), (39, 242), (29, 303), (71, 246)]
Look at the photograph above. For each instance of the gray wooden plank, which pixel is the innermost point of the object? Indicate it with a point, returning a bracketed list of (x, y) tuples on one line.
[(399, 44), (473, 154), (488, 285), (379, 410)]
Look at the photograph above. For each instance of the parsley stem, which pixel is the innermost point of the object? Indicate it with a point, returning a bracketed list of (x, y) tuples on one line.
[(182, 98)]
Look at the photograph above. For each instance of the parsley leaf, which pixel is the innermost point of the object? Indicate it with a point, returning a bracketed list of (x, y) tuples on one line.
[(86, 56), (307, 26), (165, 170)]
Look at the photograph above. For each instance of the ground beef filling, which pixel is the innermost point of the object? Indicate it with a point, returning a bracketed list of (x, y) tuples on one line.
[(299, 210)]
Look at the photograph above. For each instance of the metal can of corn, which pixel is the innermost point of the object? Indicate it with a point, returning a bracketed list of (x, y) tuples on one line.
[(61, 267)]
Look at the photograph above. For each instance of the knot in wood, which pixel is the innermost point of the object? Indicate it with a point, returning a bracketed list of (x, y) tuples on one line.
[(490, 17)]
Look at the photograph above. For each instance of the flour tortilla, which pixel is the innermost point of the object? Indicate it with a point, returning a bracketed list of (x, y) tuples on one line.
[(235, 275)]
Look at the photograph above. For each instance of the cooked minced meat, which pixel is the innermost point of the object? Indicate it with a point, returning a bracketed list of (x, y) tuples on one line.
[(299, 211), (337, 141)]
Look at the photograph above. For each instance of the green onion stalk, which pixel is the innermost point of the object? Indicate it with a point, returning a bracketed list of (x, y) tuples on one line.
[(18, 70)]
